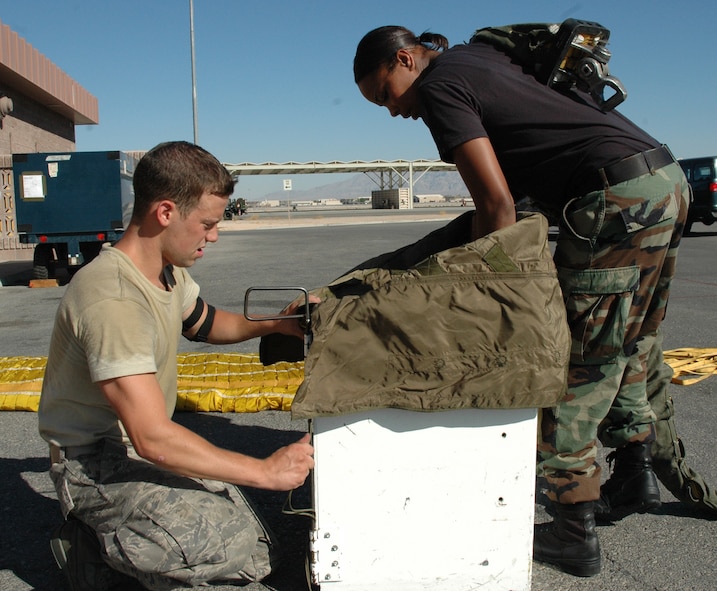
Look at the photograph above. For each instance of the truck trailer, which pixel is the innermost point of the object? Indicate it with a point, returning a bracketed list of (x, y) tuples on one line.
[(70, 203)]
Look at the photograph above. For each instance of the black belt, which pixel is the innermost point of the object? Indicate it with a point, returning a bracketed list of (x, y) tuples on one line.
[(636, 165)]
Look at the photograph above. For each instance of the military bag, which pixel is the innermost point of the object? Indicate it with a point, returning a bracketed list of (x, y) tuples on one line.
[(563, 56)]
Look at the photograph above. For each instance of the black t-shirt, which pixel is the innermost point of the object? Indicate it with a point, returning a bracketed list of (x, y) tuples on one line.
[(549, 144)]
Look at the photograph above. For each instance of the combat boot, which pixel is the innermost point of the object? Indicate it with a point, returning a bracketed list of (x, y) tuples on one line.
[(570, 541), (632, 486)]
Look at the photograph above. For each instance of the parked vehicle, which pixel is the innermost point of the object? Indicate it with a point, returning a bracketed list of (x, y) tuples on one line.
[(234, 208), (68, 204), (701, 173)]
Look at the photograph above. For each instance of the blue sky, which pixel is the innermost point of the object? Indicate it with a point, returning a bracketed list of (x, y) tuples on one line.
[(274, 78)]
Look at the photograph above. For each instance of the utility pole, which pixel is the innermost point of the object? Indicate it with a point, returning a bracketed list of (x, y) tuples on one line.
[(194, 75)]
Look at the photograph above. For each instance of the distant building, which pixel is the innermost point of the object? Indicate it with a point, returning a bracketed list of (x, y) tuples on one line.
[(391, 199), (40, 105), (399, 199), (429, 199)]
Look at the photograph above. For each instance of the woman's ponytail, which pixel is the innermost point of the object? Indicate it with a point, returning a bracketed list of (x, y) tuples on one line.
[(379, 47)]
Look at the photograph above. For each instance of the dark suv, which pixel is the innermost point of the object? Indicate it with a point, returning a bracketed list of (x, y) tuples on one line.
[(702, 176)]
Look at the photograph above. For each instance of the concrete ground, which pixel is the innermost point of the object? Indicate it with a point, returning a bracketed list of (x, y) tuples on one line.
[(673, 549)]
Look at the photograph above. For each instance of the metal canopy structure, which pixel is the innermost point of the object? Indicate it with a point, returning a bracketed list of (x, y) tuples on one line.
[(387, 174)]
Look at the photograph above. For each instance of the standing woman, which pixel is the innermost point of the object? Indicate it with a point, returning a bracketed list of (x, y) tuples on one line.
[(621, 202)]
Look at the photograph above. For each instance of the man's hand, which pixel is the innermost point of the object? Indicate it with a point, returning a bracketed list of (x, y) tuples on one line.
[(291, 326), (288, 467)]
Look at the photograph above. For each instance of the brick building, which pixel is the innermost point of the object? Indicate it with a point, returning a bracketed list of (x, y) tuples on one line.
[(39, 108)]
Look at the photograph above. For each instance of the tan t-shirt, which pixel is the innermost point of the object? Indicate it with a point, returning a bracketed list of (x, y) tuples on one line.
[(112, 322)]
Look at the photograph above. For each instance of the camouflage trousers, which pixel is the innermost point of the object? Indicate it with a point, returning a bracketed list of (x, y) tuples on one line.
[(165, 530), (668, 451), (616, 255)]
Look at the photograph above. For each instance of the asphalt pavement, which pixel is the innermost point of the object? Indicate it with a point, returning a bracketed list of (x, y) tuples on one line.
[(673, 549)]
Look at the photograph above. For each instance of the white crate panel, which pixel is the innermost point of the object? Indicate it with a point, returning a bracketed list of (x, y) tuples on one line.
[(412, 501)]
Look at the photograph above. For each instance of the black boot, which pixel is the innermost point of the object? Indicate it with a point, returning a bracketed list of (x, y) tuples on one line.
[(569, 542), (632, 486)]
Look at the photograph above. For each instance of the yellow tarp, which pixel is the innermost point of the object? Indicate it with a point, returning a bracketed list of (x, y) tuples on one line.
[(217, 382), (691, 365), (234, 382)]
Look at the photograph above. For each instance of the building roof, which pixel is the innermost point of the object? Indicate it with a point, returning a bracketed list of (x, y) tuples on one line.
[(27, 70)]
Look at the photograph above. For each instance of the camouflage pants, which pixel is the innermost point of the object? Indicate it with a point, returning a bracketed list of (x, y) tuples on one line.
[(668, 451), (166, 530), (616, 255)]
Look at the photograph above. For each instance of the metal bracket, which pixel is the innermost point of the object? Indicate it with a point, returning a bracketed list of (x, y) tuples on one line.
[(304, 317)]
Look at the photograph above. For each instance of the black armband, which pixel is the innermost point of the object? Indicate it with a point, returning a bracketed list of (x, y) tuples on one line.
[(203, 332), (194, 316)]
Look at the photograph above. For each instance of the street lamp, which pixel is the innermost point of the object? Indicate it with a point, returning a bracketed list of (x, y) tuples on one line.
[(194, 76)]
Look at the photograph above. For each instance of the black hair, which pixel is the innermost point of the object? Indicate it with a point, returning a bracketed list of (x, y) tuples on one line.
[(379, 47)]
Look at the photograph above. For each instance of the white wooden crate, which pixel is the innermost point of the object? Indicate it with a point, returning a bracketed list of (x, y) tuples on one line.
[(409, 501)]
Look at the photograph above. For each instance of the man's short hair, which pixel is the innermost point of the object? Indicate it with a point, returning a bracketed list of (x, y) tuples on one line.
[(181, 172)]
